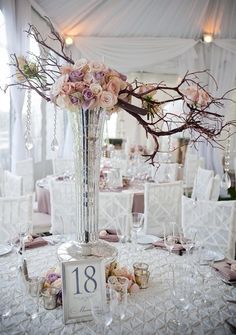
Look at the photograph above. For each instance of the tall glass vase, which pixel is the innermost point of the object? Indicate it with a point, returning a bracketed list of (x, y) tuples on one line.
[(87, 128)]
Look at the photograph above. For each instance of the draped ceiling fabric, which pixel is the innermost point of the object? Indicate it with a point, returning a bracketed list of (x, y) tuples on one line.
[(153, 35)]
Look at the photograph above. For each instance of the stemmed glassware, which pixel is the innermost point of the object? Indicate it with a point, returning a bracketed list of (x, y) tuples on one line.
[(170, 235), (181, 282), (188, 240), (103, 311), (137, 221)]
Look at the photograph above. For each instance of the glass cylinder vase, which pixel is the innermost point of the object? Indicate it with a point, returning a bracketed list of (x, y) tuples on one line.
[(87, 128)]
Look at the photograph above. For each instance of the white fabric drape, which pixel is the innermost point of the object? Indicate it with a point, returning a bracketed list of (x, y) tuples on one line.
[(132, 54), (17, 16)]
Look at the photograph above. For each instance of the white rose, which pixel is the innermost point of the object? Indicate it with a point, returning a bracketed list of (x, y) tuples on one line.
[(57, 86), (95, 88)]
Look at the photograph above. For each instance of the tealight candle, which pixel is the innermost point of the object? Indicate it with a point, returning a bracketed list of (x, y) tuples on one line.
[(140, 268)]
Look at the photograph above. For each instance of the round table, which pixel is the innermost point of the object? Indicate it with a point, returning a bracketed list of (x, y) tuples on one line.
[(148, 311)]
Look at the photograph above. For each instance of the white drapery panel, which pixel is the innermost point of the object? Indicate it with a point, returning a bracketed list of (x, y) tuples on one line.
[(132, 54), (17, 16)]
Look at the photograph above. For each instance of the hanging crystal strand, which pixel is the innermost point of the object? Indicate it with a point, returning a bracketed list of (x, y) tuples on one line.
[(54, 144), (28, 139), (225, 180), (167, 169)]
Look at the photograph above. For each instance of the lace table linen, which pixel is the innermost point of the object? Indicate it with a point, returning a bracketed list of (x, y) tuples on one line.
[(148, 311)]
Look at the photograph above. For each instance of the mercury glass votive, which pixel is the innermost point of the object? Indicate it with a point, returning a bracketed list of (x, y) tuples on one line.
[(49, 296), (141, 274)]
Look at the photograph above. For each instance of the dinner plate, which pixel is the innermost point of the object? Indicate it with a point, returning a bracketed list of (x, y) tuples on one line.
[(147, 239), (210, 255), (5, 249)]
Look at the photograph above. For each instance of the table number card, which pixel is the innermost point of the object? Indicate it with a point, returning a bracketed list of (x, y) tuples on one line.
[(80, 280)]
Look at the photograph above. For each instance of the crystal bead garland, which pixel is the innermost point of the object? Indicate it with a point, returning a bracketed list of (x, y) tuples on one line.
[(28, 139), (54, 144), (87, 128), (225, 180)]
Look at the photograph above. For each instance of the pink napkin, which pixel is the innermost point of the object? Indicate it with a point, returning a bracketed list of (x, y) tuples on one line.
[(224, 269), (36, 243), (110, 236), (178, 248)]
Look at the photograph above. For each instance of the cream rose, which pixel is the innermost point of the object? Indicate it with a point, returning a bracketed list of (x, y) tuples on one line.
[(80, 63), (95, 88), (57, 86), (97, 66), (107, 99)]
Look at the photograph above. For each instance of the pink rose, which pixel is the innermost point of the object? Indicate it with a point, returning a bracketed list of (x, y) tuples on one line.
[(57, 86), (204, 98), (66, 69), (134, 288), (114, 85), (79, 86), (88, 78), (147, 87), (121, 272), (68, 88), (107, 99)]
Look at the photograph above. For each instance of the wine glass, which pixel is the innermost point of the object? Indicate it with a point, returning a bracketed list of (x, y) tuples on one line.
[(102, 311), (181, 281), (137, 225), (188, 239), (170, 235), (120, 285)]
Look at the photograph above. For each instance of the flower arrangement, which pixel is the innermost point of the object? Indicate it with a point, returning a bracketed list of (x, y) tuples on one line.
[(84, 84), (88, 85), (53, 278)]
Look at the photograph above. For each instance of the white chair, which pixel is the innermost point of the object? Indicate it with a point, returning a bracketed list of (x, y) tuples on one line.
[(162, 203), (25, 169), (61, 166), (12, 185), (1, 181), (203, 183), (16, 215), (113, 205), (215, 222), (192, 163), (63, 206), (166, 172), (215, 191)]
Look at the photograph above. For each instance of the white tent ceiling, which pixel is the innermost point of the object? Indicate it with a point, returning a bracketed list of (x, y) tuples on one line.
[(143, 18)]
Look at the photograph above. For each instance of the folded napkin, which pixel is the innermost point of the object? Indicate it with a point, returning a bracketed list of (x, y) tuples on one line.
[(178, 248), (36, 242), (225, 269), (109, 235)]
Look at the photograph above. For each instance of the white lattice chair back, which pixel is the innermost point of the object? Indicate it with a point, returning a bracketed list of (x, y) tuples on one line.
[(166, 172), (112, 205), (191, 165), (61, 166), (203, 184), (25, 169), (63, 206), (215, 222), (12, 185), (215, 191), (16, 215), (1, 181), (162, 203)]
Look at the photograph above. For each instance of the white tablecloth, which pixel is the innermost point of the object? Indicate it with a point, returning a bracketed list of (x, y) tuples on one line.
[(148, 310)]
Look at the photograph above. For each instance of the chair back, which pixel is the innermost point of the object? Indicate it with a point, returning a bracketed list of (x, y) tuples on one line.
[(16, 215), (25, 169), (162, 203), (215, 222), (63, 206), (1, 181), (203, 183), (191, 165), (61, 166), (215, 191), (12, 185), (112, 205)]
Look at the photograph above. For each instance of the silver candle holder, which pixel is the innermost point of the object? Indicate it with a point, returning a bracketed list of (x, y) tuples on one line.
[(49, 296), (141, 274)]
